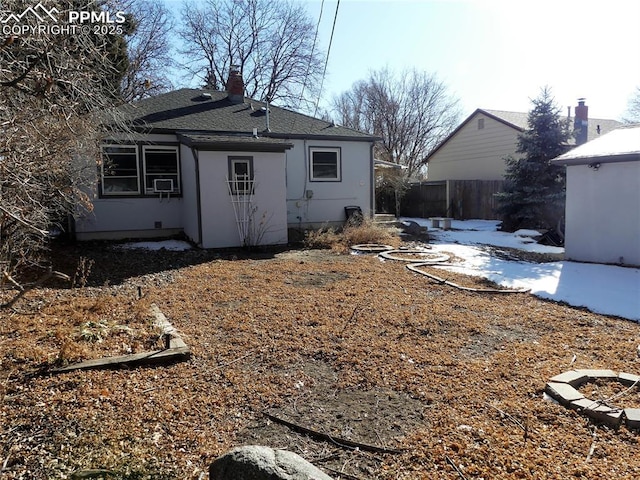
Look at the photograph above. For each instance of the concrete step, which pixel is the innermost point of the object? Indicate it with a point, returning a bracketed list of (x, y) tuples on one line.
[(384, 218)]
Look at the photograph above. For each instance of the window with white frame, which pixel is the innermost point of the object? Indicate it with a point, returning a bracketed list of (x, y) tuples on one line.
[(324, 164), (120, 171), (161, 169), (241, 175)]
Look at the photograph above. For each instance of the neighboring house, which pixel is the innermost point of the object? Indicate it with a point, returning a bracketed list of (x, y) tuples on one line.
[(475, 151), (226, 171), (603, 199)]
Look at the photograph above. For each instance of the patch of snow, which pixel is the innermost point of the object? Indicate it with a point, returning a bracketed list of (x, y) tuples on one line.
[(172, 245), (605, 289), (527, 233)]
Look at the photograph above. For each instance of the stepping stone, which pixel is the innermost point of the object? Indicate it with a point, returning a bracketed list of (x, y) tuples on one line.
[(628, 378), (599, 373), (609, 415), (632, 417), (572, 377), (563, 392)]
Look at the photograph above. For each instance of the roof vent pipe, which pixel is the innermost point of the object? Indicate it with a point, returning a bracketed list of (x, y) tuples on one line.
[(268, 122)]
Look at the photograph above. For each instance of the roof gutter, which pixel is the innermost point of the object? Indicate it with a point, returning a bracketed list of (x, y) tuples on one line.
[(372, 180), (196, 161), (587, 160)]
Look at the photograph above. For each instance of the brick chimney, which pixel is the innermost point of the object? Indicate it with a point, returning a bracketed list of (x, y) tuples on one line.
[(581, 122), (235, 85)]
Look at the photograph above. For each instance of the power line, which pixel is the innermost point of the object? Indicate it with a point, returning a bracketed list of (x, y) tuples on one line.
[(324, 72)]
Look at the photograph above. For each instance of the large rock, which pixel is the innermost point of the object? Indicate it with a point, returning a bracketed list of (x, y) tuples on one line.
[(254, 462)]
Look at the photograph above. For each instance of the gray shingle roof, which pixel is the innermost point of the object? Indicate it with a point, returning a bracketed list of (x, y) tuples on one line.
[(519, 120), (188, 110)]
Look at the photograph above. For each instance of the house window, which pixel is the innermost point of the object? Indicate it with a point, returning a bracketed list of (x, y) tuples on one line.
[(161, 169), (324, 164), (120, 173), (480, 123), (241, 175)]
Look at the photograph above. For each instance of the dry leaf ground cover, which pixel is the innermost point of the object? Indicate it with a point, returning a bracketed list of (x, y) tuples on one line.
[(346, 345)]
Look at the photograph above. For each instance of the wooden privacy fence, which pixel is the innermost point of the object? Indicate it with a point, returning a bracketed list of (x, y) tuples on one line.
[(461, 199), (424, 200)]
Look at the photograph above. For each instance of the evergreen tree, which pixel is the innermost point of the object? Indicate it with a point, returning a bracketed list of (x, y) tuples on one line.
[(534, 195)]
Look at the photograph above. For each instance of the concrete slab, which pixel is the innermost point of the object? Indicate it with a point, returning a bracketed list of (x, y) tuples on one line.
[(563, 392), (572, 377), (628, 378), (632, 417), (611, 416), (598, 373)]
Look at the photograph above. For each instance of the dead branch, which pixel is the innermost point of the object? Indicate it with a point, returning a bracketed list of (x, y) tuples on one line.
[(510, 417), (233, 361), (341, 442), (593, 444), (41, 280), (341, 474), (10, 279), (44, 233), (353, 314), (455, 467)]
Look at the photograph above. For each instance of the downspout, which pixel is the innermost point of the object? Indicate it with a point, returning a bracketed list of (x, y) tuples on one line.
[(372, 182), (196, 161)]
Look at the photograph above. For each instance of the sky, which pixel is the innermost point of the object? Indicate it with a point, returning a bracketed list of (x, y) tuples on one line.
[(604, 289), (492, 54)]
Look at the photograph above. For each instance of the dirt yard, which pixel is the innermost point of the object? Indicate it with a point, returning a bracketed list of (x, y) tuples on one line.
[(442, 383)]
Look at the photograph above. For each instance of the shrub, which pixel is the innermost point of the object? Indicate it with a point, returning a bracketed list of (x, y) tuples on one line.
[(361, 232)]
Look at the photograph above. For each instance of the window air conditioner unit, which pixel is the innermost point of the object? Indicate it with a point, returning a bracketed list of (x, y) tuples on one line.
[(163, 185)]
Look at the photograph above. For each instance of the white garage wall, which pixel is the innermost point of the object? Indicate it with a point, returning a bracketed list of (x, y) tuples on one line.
[(603, 213)]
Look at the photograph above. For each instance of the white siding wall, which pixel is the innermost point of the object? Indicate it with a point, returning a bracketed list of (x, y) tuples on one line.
[(328, 199), (473, 153), (189, 194), (129, 218), (603, 213), (280, 197), (115, 217), (219, 227)]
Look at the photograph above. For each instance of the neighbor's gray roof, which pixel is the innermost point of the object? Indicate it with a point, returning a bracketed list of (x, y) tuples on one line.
[(519, 120), (188, 110), (622, 144)]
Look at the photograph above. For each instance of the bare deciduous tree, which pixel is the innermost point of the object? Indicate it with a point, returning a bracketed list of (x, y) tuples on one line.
[(148, 49), (633, 110), (273, 44), (51, 83), (412, 112)]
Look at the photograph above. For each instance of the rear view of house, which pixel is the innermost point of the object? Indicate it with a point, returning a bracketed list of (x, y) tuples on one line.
[(225, 171)]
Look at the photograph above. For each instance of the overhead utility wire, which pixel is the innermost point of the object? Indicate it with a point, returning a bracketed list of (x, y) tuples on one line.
[(324, 73)]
